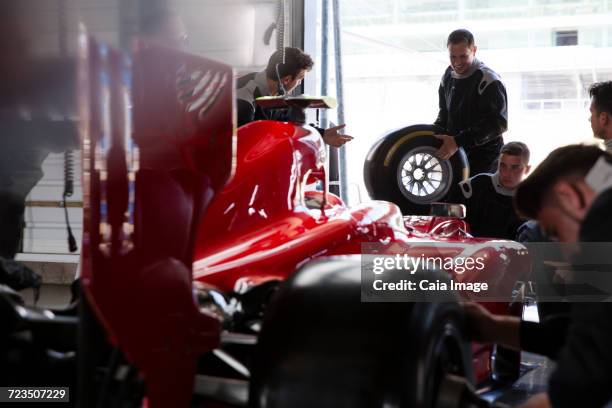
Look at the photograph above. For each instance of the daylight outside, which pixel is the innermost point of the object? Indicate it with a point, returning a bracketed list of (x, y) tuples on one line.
[(548, 52)]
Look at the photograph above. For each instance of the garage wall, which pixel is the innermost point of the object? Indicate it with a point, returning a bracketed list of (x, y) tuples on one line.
[(231, 31)]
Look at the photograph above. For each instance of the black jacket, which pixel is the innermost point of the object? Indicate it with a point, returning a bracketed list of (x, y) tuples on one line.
[(490, 212), (249, 88), (583, 377), (473, 108)]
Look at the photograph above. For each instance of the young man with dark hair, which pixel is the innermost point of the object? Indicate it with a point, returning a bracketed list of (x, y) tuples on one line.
[(601, 112), (488, 197), (266, 83), (473, 106), (570, 194)]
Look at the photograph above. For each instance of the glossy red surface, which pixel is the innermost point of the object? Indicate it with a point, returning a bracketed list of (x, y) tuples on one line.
[(171, 196), (270, 220), (145, 188)]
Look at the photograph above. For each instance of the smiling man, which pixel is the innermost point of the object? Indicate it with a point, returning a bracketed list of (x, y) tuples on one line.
[(473, 106), (488, 197)]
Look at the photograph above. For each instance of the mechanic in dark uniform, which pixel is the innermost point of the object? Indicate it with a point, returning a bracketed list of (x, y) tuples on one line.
[(473, 106), (570, 194), (488, 197), (265, 83), (601, 112)]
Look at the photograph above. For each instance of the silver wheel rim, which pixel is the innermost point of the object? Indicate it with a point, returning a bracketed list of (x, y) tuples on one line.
[(422, 177)]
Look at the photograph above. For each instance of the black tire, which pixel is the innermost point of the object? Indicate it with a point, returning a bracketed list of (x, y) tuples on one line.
[(441, 347), (321, 346), (398, 155)]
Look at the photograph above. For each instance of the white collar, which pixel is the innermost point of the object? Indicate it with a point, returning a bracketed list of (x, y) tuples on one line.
[(497, 185), (600, 176), (473, 68)]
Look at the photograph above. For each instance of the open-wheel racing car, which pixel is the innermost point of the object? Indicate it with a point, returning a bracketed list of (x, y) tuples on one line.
[(218, 271)]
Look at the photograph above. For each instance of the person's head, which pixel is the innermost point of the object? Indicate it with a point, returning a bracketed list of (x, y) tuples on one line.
[(601, 109), (461, 50), (292, 72), (163, 26), (556, 193), (513, 164)]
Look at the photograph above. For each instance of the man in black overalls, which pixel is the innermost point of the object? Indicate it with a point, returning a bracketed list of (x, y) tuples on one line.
[(473, 106)]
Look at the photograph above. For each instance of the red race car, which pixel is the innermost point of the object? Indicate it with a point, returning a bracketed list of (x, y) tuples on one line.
[(219, 266)]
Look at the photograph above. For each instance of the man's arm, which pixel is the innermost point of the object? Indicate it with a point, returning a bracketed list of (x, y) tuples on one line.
[(333, 137), (545, 338), (441, 120), (492, 110)]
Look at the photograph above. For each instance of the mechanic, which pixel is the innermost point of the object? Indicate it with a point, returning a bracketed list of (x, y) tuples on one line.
[(265, 83), (569, 194), (488, 197), (473, 106), (601, 112)]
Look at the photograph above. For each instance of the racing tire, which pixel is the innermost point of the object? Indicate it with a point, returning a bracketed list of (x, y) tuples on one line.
[(402, 168), (441, 347), (321, 346)]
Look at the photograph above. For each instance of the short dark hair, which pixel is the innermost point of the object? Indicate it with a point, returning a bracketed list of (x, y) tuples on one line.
[(601, 92), (569, 163), (460, 36), (516, 149), (295, 61)]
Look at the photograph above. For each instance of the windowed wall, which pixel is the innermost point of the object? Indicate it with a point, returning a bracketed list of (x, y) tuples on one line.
[(548, 52)]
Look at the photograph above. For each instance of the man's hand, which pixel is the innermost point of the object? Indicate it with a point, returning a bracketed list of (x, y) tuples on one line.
[(485, 327), (448, 148), (480, 321), (537, 401), (335, 139)]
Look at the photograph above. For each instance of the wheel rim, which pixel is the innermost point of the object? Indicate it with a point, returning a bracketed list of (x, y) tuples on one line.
[(422, 177)]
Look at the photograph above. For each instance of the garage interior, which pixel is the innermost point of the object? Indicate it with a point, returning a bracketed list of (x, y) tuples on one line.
[(381, 60)]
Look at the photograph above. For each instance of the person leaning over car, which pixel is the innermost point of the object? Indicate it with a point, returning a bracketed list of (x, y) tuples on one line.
[(601, 112), (473, 106), (265, 83), (488, 197), (569, 196)]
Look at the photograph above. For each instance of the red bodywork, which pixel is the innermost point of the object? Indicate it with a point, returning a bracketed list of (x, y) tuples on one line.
[(168, 193), (270, 223), (157, 143)]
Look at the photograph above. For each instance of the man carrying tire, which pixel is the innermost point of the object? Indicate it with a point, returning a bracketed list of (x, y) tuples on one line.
[(488, 197), (473, 106)]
